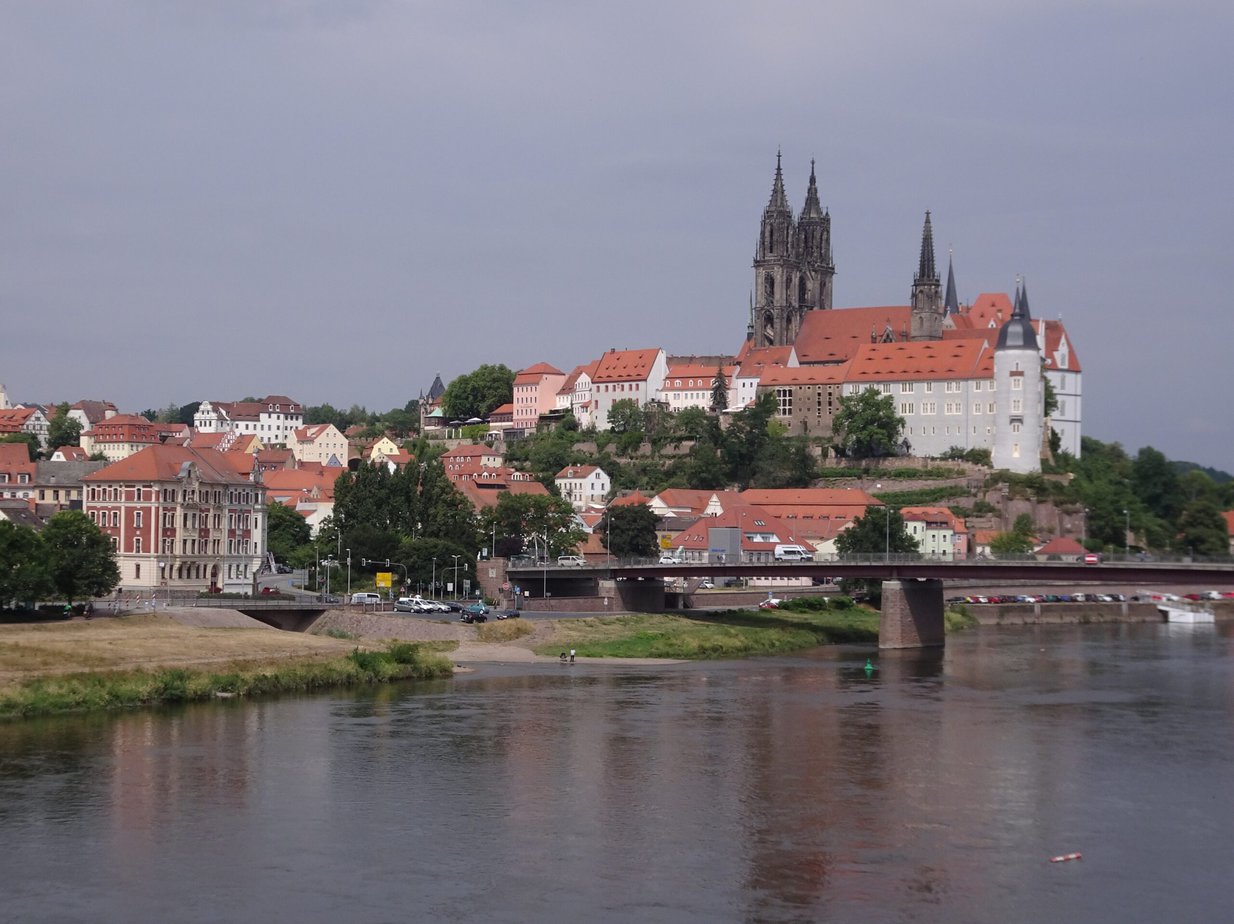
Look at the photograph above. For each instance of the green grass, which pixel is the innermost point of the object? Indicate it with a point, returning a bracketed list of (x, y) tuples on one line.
[(729, 634), (129, 689)]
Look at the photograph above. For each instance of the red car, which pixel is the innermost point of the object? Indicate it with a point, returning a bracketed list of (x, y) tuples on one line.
[(1092, 558), (771, 603)]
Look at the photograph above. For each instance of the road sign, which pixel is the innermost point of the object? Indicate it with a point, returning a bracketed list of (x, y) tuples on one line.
[(385, 578)]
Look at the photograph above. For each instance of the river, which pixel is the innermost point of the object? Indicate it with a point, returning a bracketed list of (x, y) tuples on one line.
[(934, 788)]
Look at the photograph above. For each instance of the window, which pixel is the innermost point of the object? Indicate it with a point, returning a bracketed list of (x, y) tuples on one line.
[(906, 388), (1017, 384), (784, 402), (137, 518), (906, 408), (929, 388), (886, 386), (1016, 406)]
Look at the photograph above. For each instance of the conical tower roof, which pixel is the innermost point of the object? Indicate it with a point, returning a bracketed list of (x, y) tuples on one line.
[(1018, 333), (925, 269), (951, 303), (779, 201)]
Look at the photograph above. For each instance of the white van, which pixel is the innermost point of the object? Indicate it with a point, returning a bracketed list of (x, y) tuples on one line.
[(570, 561), (365, 599), (793, 553)]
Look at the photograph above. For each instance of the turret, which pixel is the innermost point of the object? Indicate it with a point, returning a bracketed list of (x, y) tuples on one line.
[(1020, 390)]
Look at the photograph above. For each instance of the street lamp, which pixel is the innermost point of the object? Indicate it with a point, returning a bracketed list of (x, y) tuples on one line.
[(432, 591), (1126, 533), (349, 574), (456, 558), (886, 528)]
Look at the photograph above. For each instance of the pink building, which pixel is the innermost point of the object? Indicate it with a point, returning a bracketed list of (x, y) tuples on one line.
[(535, 393)]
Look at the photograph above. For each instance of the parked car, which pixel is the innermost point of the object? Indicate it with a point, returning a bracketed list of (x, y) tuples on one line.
[(669, 559), (365, 599), (475, 612), (771, 603), (509, 614), (570, 561), (406, 605), (706, 584), (1092, 558)]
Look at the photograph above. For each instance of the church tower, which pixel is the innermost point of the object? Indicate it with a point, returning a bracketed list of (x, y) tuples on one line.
[(927, 291), (814, 245), (1020, 421), (777, 270)]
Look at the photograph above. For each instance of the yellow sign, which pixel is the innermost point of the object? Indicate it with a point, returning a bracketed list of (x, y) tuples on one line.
[(385, 578), (666, 542)]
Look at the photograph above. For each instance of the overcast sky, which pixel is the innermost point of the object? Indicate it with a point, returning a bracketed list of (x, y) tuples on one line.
[(337, 200)]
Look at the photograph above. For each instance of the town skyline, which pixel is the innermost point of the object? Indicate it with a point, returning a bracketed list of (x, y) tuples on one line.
[(338, 204)]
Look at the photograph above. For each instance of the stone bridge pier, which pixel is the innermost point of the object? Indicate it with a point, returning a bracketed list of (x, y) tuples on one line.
[(912, 614)]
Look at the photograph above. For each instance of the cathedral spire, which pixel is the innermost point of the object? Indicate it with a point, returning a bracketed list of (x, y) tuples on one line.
[(926, 271), (778, 199), (812, 208), (927, 302), (951, 303)]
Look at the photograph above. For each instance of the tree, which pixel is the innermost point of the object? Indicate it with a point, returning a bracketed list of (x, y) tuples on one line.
[(63, 430), (625, 416), (719, 390), (1007, 545), (881, 528), (477, 393), (629, 531), (80, 560), (1155, 483), (539, 520), (866, 425), (286, 532), (1202, 530), (23, 565)]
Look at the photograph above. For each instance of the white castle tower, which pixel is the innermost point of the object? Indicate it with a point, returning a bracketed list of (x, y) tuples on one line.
[(1018, 384)]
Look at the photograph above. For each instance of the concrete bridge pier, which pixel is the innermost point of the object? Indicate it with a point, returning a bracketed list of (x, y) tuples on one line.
[(912, 614)]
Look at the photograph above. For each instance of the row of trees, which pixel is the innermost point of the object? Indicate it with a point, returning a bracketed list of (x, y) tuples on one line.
[(69, 560)]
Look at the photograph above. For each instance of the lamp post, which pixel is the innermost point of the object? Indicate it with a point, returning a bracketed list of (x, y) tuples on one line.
[(432, 591), (456, 558), (349, 574), (1126, 533), (886, 528)]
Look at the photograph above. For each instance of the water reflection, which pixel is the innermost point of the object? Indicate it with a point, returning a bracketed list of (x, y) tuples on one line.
[(932, 788)]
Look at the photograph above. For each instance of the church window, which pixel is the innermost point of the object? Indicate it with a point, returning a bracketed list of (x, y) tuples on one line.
[(769, 288), (801, 290)]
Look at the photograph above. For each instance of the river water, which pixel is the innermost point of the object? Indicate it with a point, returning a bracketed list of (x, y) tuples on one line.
[(935, 788)]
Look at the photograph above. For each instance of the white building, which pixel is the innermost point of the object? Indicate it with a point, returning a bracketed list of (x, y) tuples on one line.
[(583, 485), (626, 375)]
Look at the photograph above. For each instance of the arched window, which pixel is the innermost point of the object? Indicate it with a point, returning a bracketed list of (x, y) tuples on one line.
[(769, 289)]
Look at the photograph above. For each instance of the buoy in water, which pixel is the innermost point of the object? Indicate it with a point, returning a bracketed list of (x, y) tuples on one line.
[(869, 668), (1063, 858)]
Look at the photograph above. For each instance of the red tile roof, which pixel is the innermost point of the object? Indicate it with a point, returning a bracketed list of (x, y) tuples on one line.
[(625, 365), (833, 336), (164, 463), (923, 360)]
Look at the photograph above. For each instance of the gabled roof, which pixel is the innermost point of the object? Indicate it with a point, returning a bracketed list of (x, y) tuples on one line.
[(834, 336), (752, 360), (626, 365), (94, 411), (1061, 545), (165, 463), (777, 500), (577, 471), (933, 515), (749, 519), (533, 374), (803, 375)]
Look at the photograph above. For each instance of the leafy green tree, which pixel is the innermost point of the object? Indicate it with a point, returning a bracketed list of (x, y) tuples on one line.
[(744, 440), (784, 462), (1024, 526), (719, 390), (23, 565), (866, 425), (1202, 530), (287, 532), (534, 518), (63, 430), (80, 559), (629, 531), (1010, 544), (1156, 484), (477, 393), (693, 423), (625, 416), (881, 528)]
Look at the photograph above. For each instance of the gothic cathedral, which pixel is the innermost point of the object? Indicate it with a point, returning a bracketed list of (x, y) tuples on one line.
[(792, 266)]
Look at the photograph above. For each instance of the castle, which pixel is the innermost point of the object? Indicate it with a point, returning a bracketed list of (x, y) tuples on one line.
[(962, 376)]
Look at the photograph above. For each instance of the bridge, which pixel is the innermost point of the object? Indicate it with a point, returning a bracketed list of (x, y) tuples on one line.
[(296, 615), (912, 611)]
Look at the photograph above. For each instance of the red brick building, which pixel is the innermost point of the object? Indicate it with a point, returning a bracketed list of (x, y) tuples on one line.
[(180, 519)]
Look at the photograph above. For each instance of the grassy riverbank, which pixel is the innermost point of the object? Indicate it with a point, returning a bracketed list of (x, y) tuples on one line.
[(127, 689), (728, 634), (112, 663)]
